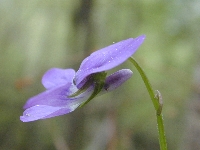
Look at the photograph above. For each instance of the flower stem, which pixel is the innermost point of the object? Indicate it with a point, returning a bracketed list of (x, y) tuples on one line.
[(157, 102)]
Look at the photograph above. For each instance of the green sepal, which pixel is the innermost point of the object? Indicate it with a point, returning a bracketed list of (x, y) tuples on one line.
[(97, 80), (98, 83)]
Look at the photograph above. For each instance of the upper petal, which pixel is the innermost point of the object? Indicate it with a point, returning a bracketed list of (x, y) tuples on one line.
[(57, 77), (108, 57)]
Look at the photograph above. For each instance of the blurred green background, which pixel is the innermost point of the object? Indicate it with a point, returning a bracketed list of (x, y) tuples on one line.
[(36, 35)]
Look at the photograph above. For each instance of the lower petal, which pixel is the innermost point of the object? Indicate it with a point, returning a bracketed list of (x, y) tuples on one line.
[(43, 107), (43, 111), (55, 97)]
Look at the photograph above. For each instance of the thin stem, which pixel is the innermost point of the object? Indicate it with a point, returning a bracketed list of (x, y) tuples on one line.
[(146, 82), (157, 102), (161, 132)]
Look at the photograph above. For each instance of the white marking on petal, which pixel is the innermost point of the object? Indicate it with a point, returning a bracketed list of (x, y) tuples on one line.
[(27, 115)]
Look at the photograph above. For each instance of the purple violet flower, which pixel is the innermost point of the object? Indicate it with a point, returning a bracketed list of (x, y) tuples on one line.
[(67, 90)]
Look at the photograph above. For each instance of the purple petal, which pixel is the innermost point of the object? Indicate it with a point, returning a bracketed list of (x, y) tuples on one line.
[(57, 77), (42, 108), (116, 79), (59, 97), (108, 58), (43, 112), (63, 111), (53, 97)]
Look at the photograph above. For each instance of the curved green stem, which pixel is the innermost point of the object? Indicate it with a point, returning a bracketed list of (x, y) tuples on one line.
[(157, 102)]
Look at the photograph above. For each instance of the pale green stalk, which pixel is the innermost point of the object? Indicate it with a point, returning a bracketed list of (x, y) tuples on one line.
[(157, 102)]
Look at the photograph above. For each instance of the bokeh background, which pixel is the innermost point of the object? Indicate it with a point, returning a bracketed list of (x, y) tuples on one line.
[(36, 35)]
